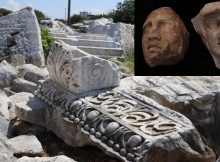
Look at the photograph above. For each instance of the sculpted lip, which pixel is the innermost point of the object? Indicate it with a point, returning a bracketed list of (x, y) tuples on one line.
[(153, 47)]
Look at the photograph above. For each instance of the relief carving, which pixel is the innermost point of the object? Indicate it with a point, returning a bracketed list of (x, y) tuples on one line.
[(79, 72)]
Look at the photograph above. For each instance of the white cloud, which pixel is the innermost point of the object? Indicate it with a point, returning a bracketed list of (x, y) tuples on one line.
[(13, 5)]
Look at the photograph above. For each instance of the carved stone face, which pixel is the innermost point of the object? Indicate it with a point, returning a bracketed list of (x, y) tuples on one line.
[(207, 25), (165, 38)]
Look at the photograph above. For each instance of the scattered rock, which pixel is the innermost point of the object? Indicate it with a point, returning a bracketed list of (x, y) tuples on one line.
[(32, 73), (22, 85), (7, 74), (16, 60), (17, 98), (34, 110), (26, 146), (6, 129), (6, 155), (60, 158), (4, 105)]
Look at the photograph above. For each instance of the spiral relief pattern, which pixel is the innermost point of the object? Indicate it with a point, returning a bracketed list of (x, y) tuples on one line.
[(78, 72)]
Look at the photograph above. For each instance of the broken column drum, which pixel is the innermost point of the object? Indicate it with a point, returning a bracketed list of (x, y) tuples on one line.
[(122, 123), (165, 38)]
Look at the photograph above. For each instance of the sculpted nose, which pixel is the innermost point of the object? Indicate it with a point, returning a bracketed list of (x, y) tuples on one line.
[(154, 34)]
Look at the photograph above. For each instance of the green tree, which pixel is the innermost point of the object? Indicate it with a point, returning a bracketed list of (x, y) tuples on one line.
[(40, 15), (47, 41), (4, 12), (124, 12), (76, 19)]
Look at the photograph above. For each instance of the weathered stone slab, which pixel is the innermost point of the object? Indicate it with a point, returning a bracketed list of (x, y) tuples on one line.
[(20, 34), (32, 73), (26, 145), (7, 74), (6, 154), (123, 124), (60, 158), (79, 72), (4, 105), (22, 85), (16, 99)]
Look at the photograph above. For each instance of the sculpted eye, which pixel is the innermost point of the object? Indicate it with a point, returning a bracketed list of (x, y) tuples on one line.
[(164, 22), (212, 24), (147, 26)]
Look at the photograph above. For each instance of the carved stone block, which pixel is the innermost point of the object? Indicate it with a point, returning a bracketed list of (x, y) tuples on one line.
[(79, 72), (121, 123)]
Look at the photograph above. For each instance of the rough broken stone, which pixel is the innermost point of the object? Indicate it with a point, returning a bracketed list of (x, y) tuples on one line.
[(6, 154), (7, 74), (61, 27), (165, 38), (16, 60), (4, 105), (16, 99), (22, 85), (20, 34), (60, 158), (79, 72), (5, 128), (32, 73), (206, 25), (26, 145)]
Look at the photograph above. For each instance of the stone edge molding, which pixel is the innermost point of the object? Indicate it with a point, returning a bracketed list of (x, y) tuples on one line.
[(77, 71), (111, 130)]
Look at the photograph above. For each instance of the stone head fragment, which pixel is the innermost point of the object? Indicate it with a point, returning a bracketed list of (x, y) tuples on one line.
[(165, 38), (207, 25)]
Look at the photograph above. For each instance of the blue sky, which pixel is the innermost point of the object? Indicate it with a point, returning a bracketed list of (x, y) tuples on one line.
[(56, 8)]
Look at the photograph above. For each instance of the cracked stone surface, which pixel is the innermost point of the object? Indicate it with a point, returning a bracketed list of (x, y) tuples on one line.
[(45, 159), (20, 34), (195, 97)]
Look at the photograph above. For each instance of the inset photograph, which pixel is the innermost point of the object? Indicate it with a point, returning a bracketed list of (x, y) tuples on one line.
[(177, 38)]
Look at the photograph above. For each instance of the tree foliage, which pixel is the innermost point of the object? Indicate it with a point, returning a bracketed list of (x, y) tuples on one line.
[(40, 15), (76, 19), (124, 12), (47, 41), (4, 12)]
